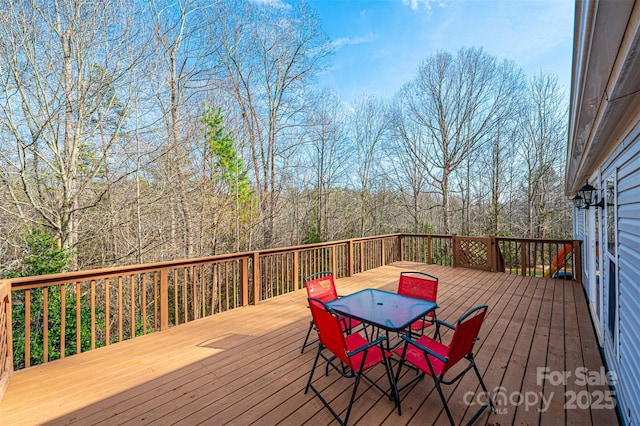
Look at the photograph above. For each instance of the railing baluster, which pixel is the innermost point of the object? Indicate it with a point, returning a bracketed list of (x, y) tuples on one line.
[(155, 300), (120, 333), (78, 318), (27, 328), (164, 299), (45, 326), (185, 301), (144, 303), (194, 291), (132, 281), (176, 310), (107, 319), (202, 292), (93, 314), (63, 317)]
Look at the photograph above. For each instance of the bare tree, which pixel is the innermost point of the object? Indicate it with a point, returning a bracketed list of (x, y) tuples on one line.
[(326, 155), (181, 60), (456, 101), (369, 127), (409, 176), (64, 104), (542, 148), (269, 54)]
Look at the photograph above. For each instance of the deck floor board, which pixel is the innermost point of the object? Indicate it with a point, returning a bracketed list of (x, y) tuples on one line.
[(245, 366)]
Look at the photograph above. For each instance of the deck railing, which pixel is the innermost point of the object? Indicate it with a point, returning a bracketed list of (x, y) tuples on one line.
[(58, 315)]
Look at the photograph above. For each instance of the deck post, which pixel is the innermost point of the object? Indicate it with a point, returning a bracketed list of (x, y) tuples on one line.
[(429, 250), (382, 256), (454, 242), (256, 277), (577, 260), (164, 299), (493, 252), (399, 252), (334, 261), (295, 270), (6, 341), (350, 258), (244, 279)]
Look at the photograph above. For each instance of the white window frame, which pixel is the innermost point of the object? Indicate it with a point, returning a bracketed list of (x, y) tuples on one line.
[(611, 257)]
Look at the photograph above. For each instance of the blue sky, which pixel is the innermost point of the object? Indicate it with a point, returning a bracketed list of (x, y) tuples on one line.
[(380, 43)]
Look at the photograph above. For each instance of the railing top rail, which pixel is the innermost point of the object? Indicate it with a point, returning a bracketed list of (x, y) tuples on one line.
[(66, 277), (92, 274), (537, 240), (330, 243), (425, 235)]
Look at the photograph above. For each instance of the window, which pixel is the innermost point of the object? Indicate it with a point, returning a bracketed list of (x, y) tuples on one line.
[(610, 211), (613, 302), (610, 260)]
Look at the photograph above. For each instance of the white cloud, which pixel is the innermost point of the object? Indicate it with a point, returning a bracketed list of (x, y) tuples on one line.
[(351, 41), (415, 4), (280, 4)]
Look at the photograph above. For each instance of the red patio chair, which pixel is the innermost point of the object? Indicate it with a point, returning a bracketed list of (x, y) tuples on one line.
[(354, 353), (422, 286), (435, 359), (321, 286)]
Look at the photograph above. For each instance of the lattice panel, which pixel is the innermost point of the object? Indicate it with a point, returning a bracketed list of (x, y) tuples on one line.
[(474, 253)]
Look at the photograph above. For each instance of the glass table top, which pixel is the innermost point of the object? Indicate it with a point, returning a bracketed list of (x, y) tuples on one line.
[(390, 311)]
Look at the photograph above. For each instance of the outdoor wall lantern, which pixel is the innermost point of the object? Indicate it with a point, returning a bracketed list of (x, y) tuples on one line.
[(586, 197)]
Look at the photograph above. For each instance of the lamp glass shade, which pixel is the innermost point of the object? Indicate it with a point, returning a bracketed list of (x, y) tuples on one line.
[(589, 194), (577, 201)]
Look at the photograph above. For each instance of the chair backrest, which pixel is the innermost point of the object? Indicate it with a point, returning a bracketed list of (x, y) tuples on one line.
[(465, 334), (329, 330), (418, 284), (321, 286)]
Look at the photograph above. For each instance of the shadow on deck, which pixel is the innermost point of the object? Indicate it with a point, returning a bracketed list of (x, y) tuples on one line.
[(244, 366)]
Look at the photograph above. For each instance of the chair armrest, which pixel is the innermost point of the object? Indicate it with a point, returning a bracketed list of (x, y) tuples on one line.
[(446, 324), (376, 342), (425, 349)]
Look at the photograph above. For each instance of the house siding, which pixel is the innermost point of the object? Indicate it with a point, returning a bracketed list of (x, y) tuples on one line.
[(623, 359)]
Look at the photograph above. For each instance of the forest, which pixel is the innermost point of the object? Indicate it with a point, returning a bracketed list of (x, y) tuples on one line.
[(143, 131)]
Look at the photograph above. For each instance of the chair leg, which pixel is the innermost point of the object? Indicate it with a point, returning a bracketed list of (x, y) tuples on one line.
[(315, 362), (489, 402), (484, 388), (306, 339), (353, 397), (320, 397), (444, 400)]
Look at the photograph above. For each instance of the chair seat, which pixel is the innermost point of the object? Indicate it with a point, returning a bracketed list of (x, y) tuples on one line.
[(374, 354), (417, 357), (420, 324)]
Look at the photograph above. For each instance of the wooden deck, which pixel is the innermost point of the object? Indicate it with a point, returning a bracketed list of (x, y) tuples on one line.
[(245, 367)]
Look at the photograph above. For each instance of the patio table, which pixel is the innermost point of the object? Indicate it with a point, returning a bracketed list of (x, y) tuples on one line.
[(384, 310)]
